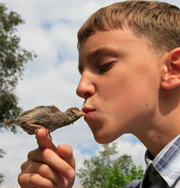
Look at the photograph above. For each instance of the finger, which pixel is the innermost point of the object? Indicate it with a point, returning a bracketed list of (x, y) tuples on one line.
[(53, 160), (66, 153), (44, 140), (34, 180), (45, 171)]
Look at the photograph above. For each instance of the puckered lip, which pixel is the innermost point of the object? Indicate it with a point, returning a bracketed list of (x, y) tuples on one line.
[(86, 109), (88, 112)]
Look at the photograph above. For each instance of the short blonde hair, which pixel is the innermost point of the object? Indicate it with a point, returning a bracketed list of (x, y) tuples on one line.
[(157, 21)]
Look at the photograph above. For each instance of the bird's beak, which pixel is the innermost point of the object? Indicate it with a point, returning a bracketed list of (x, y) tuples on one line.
[(82, 113)]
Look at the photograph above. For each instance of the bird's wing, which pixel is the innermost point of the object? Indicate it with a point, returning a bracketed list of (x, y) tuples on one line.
[(38, 108), (53, 109)]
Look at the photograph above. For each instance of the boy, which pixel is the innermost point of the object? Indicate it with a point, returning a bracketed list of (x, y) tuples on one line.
[(129, 60)]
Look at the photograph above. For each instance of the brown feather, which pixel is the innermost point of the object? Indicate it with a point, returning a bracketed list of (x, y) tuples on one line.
[(49, 117)]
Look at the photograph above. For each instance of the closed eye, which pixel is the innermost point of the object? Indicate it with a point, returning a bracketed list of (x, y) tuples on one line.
[(103, 68)]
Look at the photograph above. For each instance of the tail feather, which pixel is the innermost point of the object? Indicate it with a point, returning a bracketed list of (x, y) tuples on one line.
[(9, 122)]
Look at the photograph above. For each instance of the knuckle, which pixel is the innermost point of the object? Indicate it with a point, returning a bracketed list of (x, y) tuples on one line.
[(23, 166), (44, 169), (46, 153), (35, 179), (20, 179), (30, 154)]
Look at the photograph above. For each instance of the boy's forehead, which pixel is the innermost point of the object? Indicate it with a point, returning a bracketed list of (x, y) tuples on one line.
[(108, 41), (112, 43)]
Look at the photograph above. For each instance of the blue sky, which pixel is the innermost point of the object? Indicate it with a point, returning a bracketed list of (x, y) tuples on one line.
[(51, 79)]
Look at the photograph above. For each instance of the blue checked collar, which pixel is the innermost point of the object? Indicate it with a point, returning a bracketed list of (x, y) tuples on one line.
[(167, 162)]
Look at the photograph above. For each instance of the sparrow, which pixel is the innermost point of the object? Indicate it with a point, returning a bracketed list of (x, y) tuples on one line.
[(49, 117)]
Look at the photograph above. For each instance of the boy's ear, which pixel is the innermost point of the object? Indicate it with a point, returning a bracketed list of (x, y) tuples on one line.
[(171, 72)]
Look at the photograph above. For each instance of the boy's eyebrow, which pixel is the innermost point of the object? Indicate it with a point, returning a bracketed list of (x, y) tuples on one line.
[(99, 52), (102, 51)]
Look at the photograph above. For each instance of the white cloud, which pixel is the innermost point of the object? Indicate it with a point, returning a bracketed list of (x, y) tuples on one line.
[(17, 147), (52, 79)]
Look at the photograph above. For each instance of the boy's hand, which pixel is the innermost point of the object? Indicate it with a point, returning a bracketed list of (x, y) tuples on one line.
[(48, 166)]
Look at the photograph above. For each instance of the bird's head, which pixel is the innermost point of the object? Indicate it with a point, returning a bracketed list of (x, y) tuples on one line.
[(75, 113)]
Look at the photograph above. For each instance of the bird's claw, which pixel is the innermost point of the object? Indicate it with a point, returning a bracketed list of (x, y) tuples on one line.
[(36, 132)]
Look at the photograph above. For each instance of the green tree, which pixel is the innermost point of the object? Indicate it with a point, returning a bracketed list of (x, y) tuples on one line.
[(122, 172), (103, 171), (12, 60), (2, 153)]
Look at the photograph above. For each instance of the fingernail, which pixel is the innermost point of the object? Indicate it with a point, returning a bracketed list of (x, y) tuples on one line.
[(71, 174), (65, 146)]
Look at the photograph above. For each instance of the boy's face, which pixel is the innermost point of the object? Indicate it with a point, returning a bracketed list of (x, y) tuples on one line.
[(121, 78)]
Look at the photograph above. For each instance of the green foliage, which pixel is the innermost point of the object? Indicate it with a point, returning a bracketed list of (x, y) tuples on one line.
[(120, 175), (103, 172), (1, 178), (12, 60), (2, 153)]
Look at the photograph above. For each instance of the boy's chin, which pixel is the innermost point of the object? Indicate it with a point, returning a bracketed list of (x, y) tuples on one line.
[(104, 139)]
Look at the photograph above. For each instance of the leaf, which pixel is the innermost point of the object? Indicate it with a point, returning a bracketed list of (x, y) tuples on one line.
[(12, 60), (102, 171)]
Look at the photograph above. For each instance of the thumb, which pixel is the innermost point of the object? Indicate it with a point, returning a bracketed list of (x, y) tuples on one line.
[(44, 139)]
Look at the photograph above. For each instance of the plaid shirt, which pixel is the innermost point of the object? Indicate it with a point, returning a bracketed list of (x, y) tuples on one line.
[(163, 171)]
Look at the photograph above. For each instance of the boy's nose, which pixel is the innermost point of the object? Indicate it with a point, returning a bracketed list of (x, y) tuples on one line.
[(85, 87)]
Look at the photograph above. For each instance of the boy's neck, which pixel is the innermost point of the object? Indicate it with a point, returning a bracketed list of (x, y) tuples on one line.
[(166, 124), (158, 137)]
